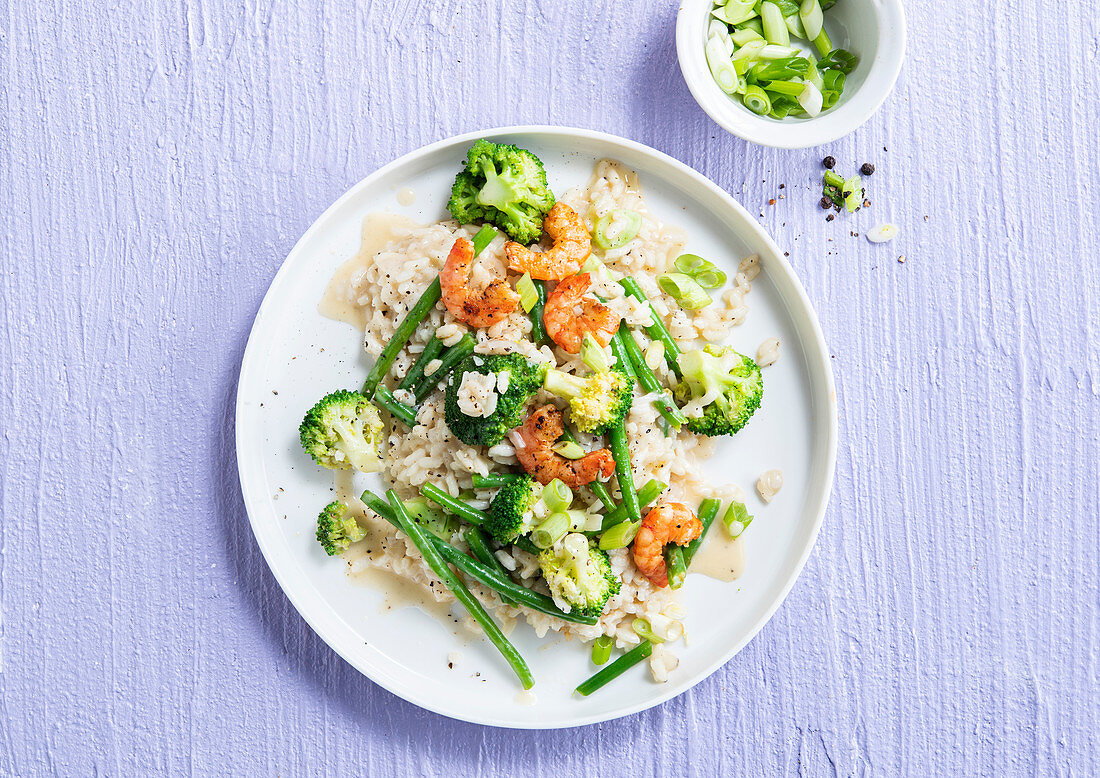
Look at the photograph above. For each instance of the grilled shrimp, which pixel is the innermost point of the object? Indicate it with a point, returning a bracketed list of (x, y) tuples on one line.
[(572, 245), (568, 315), (671, 522), (538, 434), (478, 308)]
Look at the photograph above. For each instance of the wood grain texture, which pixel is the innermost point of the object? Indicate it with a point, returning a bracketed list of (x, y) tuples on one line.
[(159, 161)]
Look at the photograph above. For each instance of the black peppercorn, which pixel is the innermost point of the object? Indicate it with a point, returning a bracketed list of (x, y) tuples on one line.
[(826, 202), (867, 169), (829, 162)]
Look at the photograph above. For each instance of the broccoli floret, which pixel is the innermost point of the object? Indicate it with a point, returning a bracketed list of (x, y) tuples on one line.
[(579, 575), (510, 511), (596, 401), (342, 431), (503, 185), (511, 393), (727, 384), (336, 530)]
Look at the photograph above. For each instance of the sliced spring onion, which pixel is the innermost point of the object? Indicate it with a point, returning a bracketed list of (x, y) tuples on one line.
[(748, 53), (741, 37), (721, 68), (551, 530), (557, 496), (735, 11), (601, 649), (736, 518), (775, 29), (813, 75), (594, 355), (654, 354), (528, 294), (755, 24), (643, 630), (483, 238), (853, 193), (823, 43), (716, 29), (568, 449), (833, 80), (619, 536), (705, 272), (591, 265), (832, 178), (617, 228), (883, 233), (794, 26), (793, 87), (756, 100), (771, 51), (839, 59), (810, 99), (685, 290), (812, 19), (439, 524), (577, 520)]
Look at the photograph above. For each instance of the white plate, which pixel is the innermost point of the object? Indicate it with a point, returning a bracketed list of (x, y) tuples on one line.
[(285, 371)]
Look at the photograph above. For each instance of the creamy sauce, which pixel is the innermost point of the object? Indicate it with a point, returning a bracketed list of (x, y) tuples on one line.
[(406, 196), (721, 557), (378, 230)]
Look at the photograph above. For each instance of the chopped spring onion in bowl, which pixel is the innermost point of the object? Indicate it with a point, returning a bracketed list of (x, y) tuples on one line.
[(766, 55)]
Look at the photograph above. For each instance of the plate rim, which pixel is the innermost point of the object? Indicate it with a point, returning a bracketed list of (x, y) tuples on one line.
[(324, 622)]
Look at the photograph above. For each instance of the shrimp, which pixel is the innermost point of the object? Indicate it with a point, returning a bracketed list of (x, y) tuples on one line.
[(479, 309), (538, 434), (572, 245), (671, 522), (568, 315)]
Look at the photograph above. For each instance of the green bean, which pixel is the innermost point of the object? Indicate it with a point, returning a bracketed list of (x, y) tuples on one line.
[(398, 410), (435, 561), (450, 359), (501, 584), (470, 514), (416, 372), (675, 567), (648, 380), (620, 451), (616, 668), (479, 545), (678, 558), (656, 330), (401, 336), (538, 327), (493, 480), (647, 494)]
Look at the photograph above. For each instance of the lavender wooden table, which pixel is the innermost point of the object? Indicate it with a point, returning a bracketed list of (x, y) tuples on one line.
[(159, 161)]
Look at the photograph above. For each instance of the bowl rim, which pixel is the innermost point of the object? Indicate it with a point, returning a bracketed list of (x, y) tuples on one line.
[(825, 128)]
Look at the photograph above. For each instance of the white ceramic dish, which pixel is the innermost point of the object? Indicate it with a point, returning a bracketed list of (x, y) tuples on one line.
[(872, 29), (294, 356)]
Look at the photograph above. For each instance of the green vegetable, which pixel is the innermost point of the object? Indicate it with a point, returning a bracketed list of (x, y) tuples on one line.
[(336, 530), (528, 295), (822, 43), (595, 487), (557, 495), (503, 185), (579, 574), (552, 529), (399, 410), (621, 452), (401, 336), (601, 649), (538, 326), (678, 558), (735, 11), (705, 272), (656, 330), (593, 355), (648, 379), (736, 519), (524, 380), (684, 289), (596, 401), (483, 573), (628, 231), (787, 67), (620, 536), (839, 60), (439, 524), (729, 381), (483, 238), (479, 547), (812, 19), (616, 668), (415, 375), (449, 361), (853, 193), (775, 29), (343, 431), (568, 449), (786, 88), (756, 100), (462, 594), (510, 510), (644, 630)]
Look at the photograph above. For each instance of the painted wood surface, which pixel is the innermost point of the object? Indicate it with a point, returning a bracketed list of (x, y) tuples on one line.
[(160, 159)]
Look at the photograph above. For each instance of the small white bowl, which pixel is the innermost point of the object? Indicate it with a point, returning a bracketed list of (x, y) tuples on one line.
[(874, 30)]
